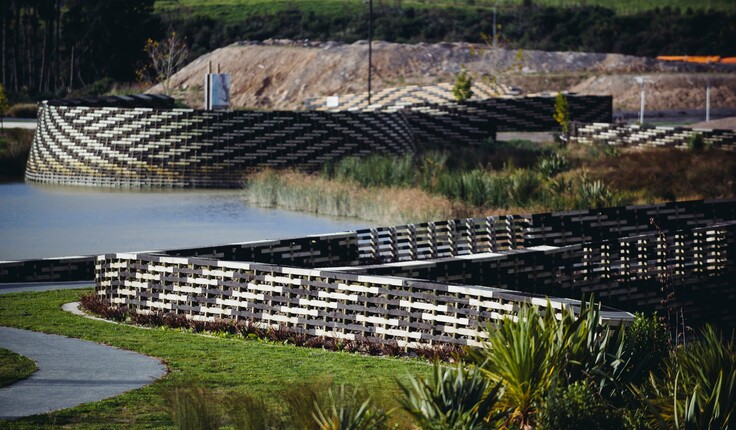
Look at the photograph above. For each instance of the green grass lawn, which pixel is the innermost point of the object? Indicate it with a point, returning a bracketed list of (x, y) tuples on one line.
[(14, 367), (223, 365), (235, 10)]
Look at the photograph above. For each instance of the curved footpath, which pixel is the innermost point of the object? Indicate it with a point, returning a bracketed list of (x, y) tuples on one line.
[(70, 372)]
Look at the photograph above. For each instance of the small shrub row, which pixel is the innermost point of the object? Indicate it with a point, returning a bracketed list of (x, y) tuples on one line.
[(250, 329)]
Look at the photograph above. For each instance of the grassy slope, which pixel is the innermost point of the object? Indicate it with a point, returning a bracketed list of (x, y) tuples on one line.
[(224, 365), (14, 367), (236, 10)]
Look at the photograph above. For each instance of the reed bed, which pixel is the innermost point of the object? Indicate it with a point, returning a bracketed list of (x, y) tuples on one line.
[(486, 180), (310, 193)]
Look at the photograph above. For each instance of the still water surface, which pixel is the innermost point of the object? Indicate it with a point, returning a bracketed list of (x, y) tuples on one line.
[(50, 221)]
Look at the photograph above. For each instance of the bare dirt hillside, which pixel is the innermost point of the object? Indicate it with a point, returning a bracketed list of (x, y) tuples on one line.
[(281, 74)]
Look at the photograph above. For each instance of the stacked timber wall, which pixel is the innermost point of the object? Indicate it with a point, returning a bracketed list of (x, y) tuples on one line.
[(363, 283), (393, 99), (187, 148), (316, 302), (652, 137), (143, 147)]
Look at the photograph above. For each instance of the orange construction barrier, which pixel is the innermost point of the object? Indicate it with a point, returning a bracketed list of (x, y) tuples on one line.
[(691, 58)]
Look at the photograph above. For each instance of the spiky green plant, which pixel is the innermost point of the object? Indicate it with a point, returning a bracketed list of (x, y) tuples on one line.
[(520, 353), (346, 412), (552, 165), (698, 390), (537, 350), (453, 398)]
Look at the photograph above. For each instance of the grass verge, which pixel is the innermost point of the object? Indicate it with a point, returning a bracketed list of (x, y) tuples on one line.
[(14, 367), (227, 367)]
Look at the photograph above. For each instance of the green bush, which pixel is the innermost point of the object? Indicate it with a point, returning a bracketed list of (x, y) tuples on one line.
[(578, 406), (23, 110), (452, 399), (553, 165), (696, 142), (647, 347), (346, 412), (698, 389), (462, 90)]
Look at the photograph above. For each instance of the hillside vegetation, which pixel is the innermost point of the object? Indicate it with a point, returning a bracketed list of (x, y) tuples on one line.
[(233, 11), (86, 47)]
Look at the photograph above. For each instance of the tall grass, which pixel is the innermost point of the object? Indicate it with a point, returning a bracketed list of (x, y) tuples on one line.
[(308, 193), (492, 178)]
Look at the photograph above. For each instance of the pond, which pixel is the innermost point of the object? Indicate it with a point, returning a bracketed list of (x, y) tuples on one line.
[(49, 221)]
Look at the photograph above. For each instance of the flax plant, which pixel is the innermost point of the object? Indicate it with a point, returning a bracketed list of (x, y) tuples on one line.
[(536, 351), (698, 389), (453, 398)]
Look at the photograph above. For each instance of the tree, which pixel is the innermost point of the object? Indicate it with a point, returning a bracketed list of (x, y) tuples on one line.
[(106, 38), (562, 115), (3, 107), (463, 86), (165, 58)]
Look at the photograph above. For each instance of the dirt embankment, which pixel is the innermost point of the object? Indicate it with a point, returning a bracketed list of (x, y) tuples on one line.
[(281, 74)]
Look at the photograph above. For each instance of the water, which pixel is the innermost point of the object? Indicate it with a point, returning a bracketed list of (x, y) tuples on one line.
[(50, 221)]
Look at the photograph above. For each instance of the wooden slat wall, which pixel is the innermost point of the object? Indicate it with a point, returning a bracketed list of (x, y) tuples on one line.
[(316, 302)]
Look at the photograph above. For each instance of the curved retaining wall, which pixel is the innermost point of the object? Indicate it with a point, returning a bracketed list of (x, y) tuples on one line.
[(187, 148)]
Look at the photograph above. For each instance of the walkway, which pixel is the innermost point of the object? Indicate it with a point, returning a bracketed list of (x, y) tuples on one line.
[(70, 372)]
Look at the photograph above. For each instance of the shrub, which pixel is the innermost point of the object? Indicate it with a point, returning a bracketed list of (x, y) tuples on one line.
[(577, 406), (537, 350), (553, 165), (526, 186), (462, 90), (96, 305), (453, 398), (345, 411), (23, 110), (696, 143), (647, 347), (698, 389)]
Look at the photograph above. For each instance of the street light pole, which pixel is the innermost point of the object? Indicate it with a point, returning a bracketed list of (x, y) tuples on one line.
[(370, 47)]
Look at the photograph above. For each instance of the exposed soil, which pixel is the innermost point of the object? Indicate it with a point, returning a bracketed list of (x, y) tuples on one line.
[(282, 74), (723, 123)]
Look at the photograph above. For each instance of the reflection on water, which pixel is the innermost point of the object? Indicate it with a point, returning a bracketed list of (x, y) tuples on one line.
[(47, 221)]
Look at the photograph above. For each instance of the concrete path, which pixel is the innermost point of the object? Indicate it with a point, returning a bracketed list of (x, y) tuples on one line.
[(70, 371), (6, 288)]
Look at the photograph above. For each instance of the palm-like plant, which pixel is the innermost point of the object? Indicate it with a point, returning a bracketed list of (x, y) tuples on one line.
[(698, 390), (521, 355), (344, 412), (453, 398), (534, 351)]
